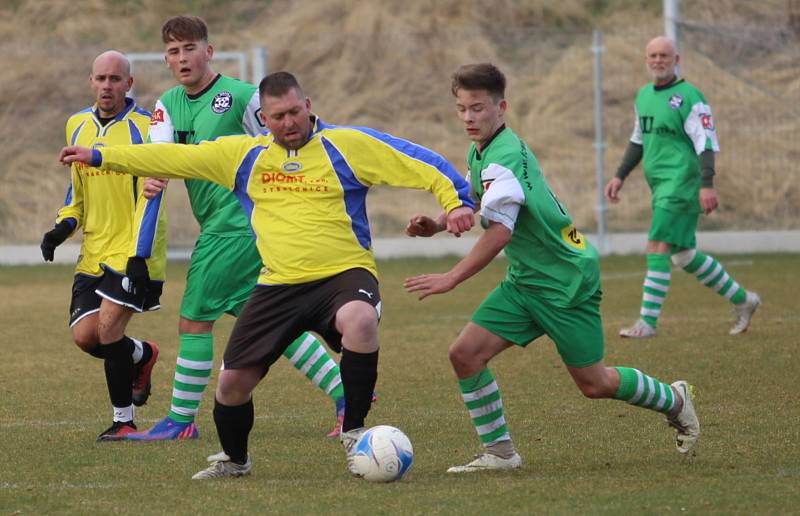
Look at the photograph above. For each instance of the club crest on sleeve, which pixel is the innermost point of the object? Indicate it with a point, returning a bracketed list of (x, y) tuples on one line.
[(707, 121), (675, 101), (221, 102), (157, 117)]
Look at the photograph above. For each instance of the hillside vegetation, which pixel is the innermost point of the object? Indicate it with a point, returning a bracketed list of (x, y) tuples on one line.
[(387, 65)]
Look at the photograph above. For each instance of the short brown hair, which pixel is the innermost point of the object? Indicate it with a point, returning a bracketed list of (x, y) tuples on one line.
[(480, 76), (184, 28), (278, 84)]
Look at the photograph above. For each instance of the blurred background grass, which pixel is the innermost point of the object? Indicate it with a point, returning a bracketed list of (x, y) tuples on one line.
[(581, 456)]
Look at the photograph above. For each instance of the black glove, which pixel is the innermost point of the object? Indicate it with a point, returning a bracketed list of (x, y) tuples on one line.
[(137, 274), (54, 238)]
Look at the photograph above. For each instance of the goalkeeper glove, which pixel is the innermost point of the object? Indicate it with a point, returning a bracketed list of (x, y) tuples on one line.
[(54, 238)]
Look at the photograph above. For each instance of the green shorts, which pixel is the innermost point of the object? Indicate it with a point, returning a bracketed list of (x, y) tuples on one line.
[(519, 316), (674, 228), (222, 274)]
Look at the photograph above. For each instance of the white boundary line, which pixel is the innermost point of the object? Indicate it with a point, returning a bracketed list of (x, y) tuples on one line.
[(727, 242)]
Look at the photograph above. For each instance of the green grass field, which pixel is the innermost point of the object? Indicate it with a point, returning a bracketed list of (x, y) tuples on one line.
[(581, 456)]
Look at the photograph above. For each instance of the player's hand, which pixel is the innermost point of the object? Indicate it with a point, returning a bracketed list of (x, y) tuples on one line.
[(423, 226), (428, 284), (460, 220), (612, 189), (71, 154), (708, 200), (153, 186), (137, 273), (54, 238)]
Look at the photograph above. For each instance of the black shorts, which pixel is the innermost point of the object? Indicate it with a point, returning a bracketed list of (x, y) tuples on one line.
[(275, 315), (88, 292)]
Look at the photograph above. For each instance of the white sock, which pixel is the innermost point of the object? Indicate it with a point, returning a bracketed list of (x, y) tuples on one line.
[(123, 414)]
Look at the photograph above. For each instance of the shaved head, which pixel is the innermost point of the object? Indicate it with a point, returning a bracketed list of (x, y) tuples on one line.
[(661, 43), (110, 81), (113, 57), (661, 60)]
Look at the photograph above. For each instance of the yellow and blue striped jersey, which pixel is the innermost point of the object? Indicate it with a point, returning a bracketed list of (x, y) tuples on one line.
[(307, 207), (109, 206)]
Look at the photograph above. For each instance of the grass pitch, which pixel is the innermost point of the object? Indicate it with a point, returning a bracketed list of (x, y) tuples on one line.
[(581, 456)]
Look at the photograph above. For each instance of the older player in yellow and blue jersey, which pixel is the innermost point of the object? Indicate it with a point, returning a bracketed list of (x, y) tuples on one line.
[(303, 188), (120, 270)]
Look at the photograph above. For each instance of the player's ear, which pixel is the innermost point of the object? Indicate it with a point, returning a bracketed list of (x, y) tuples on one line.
[(262, 117), (308, 103), (503, 105), (209, 52), (130, 84)]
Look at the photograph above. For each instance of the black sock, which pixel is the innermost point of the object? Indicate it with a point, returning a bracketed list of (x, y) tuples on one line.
[(233, 428), (119, 371), (97, 352), (359, 373)]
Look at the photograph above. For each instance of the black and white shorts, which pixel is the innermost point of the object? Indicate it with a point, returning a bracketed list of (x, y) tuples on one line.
[(88, 292), (275, 315)]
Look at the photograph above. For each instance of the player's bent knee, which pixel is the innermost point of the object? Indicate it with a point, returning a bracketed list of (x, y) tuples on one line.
[(684, 257)]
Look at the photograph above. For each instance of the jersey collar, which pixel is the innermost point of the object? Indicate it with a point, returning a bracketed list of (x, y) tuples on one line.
[(489, 141), (674, 82), (202, 92), (129, 106)]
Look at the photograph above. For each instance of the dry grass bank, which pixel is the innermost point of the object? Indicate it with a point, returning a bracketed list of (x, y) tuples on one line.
[(388, 64)]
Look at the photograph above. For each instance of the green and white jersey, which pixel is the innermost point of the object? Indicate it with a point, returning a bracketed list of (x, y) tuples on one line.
[(546, 253), (226, 107), (674, 125)]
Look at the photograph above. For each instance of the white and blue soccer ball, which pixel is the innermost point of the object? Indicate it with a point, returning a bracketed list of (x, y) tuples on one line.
[(383, 454)]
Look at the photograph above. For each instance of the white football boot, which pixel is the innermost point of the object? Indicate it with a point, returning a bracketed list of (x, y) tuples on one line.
[(487, 461), (744, 313), (686, 422), (222, 467), (639, 330), (349, 440)]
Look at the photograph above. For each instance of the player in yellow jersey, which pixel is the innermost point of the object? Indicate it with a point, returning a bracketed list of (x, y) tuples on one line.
[(303, 188), (118, 273)]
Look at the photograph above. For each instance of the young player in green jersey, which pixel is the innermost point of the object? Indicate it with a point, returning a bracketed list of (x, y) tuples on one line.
[(121, 266), (225, 262), (674, 132), (552, 286)]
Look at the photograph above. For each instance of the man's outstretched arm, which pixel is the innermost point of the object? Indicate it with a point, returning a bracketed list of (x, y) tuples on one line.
[(489, 245)]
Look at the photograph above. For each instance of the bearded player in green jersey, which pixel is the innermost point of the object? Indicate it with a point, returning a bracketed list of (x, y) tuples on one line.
[(674, 132), (552, 286), (225, 263)]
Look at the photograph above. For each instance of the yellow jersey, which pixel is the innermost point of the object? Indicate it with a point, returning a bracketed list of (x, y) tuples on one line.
[(109, 206), (307, 207)]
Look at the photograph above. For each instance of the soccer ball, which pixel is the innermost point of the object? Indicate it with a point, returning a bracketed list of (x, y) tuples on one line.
[(383, 454)]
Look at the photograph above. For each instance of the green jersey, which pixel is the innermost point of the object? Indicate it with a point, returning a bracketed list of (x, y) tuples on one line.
[(674, 125), (226, 107), (546, 253)]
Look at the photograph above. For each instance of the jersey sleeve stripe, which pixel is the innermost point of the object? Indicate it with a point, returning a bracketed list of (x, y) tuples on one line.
[(68, 197), (136, 136), (76, 132), (355, 194), (242, 180), (147, 231), (424, 155)]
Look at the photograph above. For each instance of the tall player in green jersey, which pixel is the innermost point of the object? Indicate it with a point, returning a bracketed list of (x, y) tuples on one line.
[(225, 263), (674, 132), (552, 286)]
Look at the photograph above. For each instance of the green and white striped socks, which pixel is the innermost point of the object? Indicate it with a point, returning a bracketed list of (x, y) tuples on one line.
[(485, 404), (196, 359), (656, 285), (308, 355), (192, 372), (710, 273), (642, 390)]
